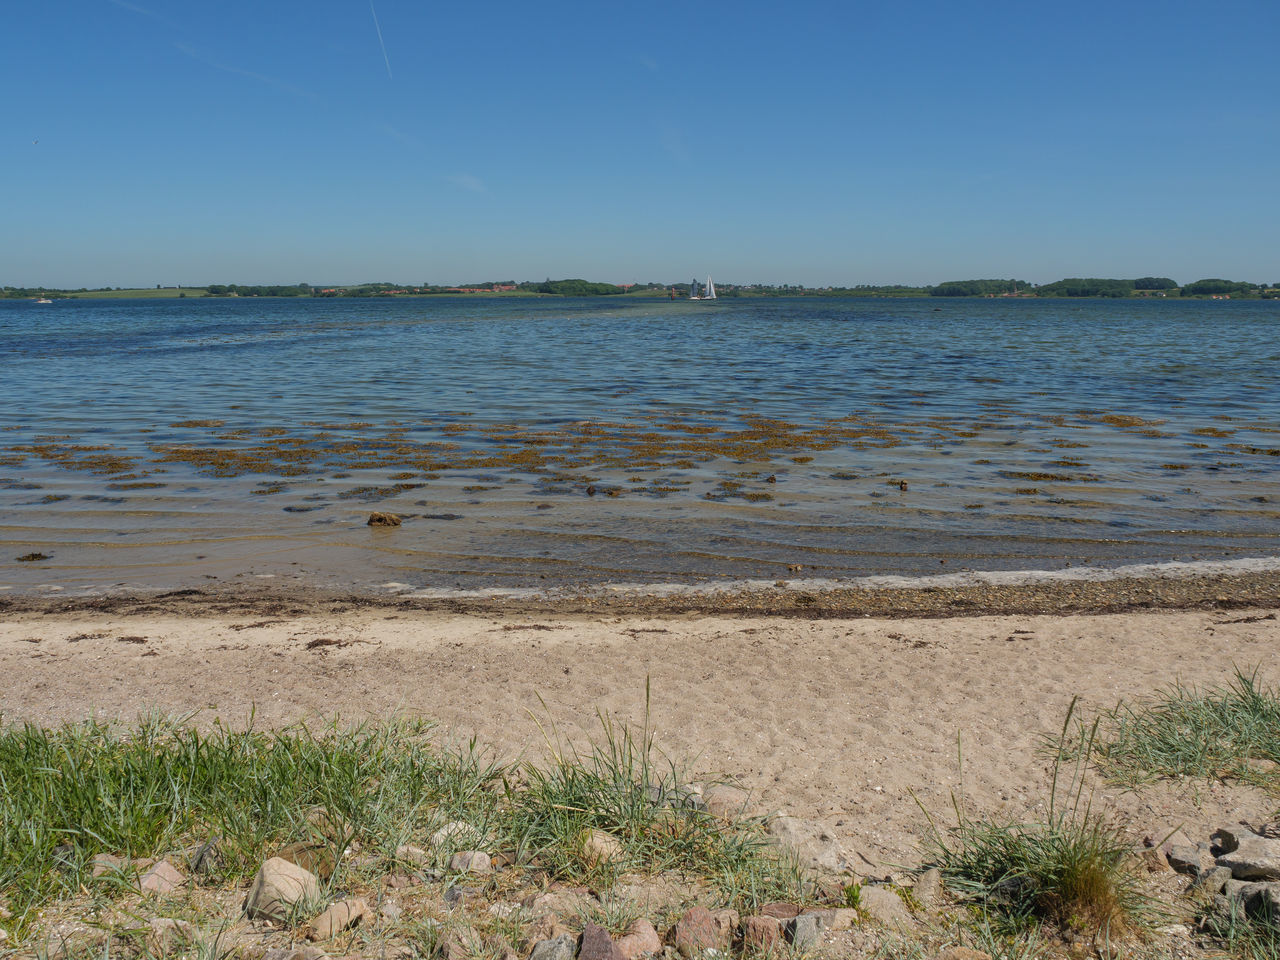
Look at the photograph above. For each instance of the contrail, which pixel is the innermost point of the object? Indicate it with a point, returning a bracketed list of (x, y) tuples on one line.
[(385, 59)]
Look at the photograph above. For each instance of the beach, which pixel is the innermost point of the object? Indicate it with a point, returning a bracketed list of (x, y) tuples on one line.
[(855, 718)]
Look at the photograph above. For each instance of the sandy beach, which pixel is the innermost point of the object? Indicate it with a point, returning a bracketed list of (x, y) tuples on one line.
[(836, 716)]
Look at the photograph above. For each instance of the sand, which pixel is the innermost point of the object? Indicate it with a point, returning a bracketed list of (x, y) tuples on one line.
[(852, 721)]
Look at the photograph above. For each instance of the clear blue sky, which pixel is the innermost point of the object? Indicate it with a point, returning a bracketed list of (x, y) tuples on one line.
[(188, 141)]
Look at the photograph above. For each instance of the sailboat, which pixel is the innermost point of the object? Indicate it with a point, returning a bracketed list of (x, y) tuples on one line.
[(708, 292)]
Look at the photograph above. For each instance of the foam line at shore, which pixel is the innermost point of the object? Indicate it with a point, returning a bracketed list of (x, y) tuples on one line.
[(1169, 570)]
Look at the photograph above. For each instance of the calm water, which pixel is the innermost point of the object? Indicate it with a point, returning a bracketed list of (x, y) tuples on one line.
[(534, 442)]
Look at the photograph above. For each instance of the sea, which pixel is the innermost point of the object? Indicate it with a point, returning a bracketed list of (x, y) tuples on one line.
[(543, 444)]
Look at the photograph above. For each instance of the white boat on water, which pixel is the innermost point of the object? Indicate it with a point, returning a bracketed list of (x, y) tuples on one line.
[(43, 300), (698, 292)]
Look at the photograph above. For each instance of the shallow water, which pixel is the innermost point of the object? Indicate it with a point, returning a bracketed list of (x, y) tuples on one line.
[(534, 442)]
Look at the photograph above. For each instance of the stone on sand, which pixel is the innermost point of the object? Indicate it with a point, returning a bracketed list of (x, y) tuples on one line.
[(337, 917), (279, 887)]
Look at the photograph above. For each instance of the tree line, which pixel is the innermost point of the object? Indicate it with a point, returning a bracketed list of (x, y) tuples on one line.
[(576, 287)]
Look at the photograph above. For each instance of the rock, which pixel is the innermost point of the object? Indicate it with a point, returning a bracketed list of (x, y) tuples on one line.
[(401, 881), (726, 922), (561, 903), (161, 878), (278, 889), (105, 863), (814, 845), (962, 953), (928, 886), (1252, 857), (640, 940), (379, 519), (455, 897), (454, 835), (655, 895), (760, 934), (1210, 881), (339, 916), (883, 905), (165, 935), (391, 912), (840, 918), (1154, 860), (562, 947), (294, 953), (695, 932), (780, 911), (804, 932), (1186, 858), (596, 944), (724, 801), (1259, 899), (597, 847), (326, 824), (314, 857), (471, 861), (408, 853)]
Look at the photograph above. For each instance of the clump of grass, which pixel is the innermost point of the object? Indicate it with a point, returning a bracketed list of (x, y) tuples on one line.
[(1216, 733), (1072, 869), (69, 793), (165, 788), (1253, 938), (621, 785)]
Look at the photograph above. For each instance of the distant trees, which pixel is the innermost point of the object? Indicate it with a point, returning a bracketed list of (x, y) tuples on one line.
[(239, 290), (1215, 287), (977, 288), (1086, 287), (1154, 283), (573, 288)]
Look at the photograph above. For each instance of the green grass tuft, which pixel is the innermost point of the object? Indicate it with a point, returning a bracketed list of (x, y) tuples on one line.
[(1073, 869), (1251, 938), (165, 788), (1222, 732)]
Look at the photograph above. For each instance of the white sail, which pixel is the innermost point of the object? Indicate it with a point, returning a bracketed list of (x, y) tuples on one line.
[(711, 289)]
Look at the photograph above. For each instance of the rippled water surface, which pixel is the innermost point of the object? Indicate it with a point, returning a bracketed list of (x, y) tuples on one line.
[(529, 441)]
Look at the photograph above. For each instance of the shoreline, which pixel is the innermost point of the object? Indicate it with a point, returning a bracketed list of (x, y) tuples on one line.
[(1083, 591)]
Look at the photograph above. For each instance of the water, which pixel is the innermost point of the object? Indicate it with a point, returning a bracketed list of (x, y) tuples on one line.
[(532, 442)]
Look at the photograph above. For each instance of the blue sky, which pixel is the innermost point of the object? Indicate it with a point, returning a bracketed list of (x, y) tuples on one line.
[(196, 142)]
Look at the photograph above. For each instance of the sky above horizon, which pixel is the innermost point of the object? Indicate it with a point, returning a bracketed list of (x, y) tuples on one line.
[(338, 141)]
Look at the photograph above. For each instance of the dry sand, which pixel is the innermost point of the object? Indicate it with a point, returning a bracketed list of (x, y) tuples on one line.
[(845, 720)]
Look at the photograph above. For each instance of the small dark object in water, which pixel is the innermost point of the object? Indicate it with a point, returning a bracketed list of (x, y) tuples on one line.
[(902, 484), (444, 516), (377, 519), (32, 557), (771, 478), (591, 491)]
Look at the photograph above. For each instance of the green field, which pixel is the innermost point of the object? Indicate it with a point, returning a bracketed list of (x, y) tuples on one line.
[(141, 292)]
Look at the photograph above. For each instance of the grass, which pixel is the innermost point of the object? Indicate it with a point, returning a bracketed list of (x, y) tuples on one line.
[(1073, 869), (1252, 938), (1217, 733), (164, 788)]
